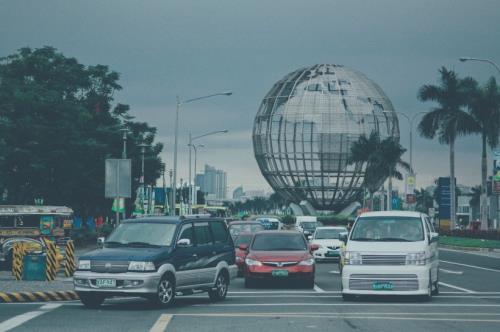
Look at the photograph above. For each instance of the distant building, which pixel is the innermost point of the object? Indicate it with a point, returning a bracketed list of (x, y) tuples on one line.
[(213, 183), (238, 193)]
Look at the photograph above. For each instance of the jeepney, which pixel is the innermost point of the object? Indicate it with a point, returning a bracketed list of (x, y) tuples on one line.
[(28, 224)]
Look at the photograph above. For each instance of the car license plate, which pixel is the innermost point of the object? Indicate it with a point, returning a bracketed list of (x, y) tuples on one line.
[(332, 254), (280, 273), (105, 283), (382, 285)]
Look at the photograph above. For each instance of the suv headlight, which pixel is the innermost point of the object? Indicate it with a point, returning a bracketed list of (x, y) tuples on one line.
[(83, 264), (141, 266), (352, 258), (307, 262), (252, 262), (417, 258)]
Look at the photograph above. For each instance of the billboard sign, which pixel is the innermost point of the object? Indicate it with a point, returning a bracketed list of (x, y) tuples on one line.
[(118, 178), (444, 198)]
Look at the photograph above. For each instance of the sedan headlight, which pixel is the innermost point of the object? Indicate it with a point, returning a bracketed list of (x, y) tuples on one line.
[(84, 264), (307, 262), (141, 266), (252, 262), (352, 258), (417, 258)]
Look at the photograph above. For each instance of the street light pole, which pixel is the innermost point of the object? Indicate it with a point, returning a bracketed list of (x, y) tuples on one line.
[(195, 196), (464, 59), (176, 133), (124, 156), (143, 151), (191, 179)]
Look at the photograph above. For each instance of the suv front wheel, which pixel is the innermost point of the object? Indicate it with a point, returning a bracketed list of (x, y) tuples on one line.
[(91, 301), (220, 291), (165, 293)]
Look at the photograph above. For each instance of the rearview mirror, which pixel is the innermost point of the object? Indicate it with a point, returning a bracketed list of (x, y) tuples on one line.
[(100, 242), (184, 243), (434, 237), (343, 237), (309, 237)]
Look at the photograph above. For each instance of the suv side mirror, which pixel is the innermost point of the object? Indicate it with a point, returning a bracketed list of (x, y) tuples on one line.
[(433, 237), (309, 237), (100, 242), (313, 247), (184, 243), (343, 237)]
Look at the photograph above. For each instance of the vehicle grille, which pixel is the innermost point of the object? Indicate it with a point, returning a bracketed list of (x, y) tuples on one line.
[(383, 259), (332, 247), (400, 282), (280, 264), (109, 266)]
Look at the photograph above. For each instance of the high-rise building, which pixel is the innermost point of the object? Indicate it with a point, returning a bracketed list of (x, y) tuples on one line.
[(213, 183), (238, 193)]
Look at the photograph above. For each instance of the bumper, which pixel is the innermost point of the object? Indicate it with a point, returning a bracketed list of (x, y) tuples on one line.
[(324, 254), (385, 280), (126, 283), (266, 272)]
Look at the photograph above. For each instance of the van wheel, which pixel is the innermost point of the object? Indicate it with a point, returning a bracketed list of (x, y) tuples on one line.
[(428, 296), (91, 301), (220, 291), (165, 293), (436, 286)]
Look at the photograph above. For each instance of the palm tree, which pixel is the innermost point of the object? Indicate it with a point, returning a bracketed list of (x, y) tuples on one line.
[(475, 200), (382, 159), (448, 120), (424, 200), (485, 109)]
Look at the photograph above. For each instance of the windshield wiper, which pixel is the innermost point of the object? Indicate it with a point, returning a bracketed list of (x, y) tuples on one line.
[(142, 244), (119, 244), (395, 239)]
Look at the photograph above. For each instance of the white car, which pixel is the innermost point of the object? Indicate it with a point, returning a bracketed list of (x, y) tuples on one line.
[(391, 253), (327, 238)]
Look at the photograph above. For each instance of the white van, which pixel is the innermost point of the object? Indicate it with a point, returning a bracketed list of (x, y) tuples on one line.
[(306, 224), (391, 253)]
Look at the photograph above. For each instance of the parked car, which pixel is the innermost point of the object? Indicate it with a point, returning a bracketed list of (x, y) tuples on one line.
[(391, 253), (242, 238), (237, 227), (327, 238), (156, 257), (279, 255)]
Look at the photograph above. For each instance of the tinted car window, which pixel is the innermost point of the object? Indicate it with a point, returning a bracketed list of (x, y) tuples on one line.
[(149, 233), (388, 228), (186, 232), (219, 232), (279, 242), (202, 234), (243, 239)]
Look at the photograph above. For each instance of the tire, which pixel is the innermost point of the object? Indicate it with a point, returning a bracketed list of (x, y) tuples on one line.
[(427, 297), (221, 285), (249, 282), (91, 301), (165, 293), (435, 291), (309, 283)]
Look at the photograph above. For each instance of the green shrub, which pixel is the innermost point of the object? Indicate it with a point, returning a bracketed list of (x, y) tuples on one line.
[(288, 219), (335, 220)]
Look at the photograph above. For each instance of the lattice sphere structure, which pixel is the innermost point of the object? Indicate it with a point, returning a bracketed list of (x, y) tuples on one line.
[(305, 127)]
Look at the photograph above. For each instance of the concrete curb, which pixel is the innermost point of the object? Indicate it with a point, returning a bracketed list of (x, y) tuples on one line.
[(474, 249), (38, 296)]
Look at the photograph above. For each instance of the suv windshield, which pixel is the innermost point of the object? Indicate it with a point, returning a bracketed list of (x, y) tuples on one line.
[(397, 229), (328, 233), (281, 242), (142, 234)]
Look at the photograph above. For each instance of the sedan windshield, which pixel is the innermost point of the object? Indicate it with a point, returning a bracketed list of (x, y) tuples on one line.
[(142, 234), (396, 229), (279, 242), (328, 233)]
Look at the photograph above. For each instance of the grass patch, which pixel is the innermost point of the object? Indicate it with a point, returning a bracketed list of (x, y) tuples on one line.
[(468, 242)]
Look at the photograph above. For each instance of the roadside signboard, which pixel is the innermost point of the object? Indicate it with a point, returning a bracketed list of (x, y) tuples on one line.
[(495, 181), (444, 199), (118, 178)]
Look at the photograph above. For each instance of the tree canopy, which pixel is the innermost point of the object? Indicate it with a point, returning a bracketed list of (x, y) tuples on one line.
[(58, 123)]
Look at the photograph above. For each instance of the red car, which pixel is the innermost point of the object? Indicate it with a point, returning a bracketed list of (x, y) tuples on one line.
[(243, 238), (279, 255)]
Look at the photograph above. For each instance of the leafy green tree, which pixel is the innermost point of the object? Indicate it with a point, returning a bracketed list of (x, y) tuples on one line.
[(382, 159), (424, 200), (448, 119), (484, 107), (57, 126)]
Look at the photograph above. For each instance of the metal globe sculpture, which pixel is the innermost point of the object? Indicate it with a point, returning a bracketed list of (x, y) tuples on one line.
[(305, 127)]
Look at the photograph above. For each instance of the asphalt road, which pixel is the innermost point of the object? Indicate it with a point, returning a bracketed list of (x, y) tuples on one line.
[(469, 300)]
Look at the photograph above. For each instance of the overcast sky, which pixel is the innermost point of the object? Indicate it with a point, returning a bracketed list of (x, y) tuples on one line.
[(192, 48)]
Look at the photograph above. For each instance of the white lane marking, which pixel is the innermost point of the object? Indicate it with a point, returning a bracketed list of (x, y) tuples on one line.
[(450, 271), (461, 305), (15, 321), (361, 313), (457, 288), (477, 253), (472, 266), (334, 272), (161, 324), (345, 316), (317, 289)]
